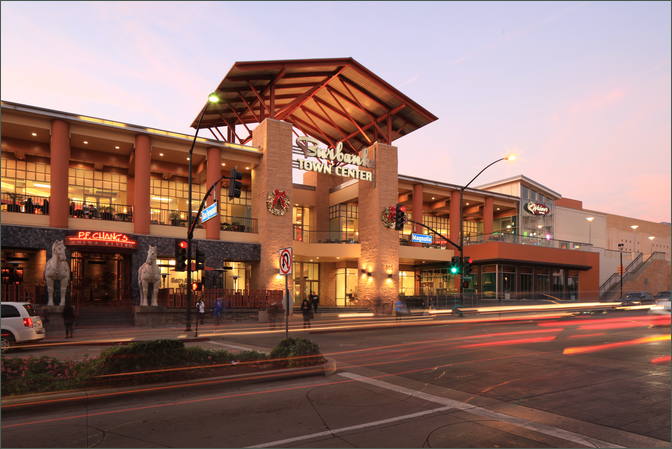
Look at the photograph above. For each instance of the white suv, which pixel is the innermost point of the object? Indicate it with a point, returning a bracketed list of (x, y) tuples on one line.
[(20, 322)]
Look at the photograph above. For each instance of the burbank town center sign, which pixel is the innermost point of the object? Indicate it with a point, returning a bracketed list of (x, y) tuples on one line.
[(335, 158)]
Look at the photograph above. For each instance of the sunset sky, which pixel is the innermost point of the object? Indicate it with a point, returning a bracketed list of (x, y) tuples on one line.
[(580, 90)]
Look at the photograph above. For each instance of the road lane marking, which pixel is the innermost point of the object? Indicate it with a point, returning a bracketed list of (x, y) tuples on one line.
[(349, 428), (228, 345), (520, 422)]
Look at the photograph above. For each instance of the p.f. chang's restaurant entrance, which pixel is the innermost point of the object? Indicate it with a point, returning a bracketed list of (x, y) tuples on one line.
[(100, 267)]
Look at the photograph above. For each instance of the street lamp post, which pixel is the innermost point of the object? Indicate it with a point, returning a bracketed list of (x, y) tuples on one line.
[(212, 98), (510, 157), (590, 222), (620, 268)]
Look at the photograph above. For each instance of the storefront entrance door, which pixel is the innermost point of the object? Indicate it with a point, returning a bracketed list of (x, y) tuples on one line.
[(100, 278)]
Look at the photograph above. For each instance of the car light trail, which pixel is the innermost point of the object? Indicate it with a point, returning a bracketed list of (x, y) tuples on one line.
[(536, 307), (661, 359), (596, 348), (587, 321), (597, 334), (212, 398), (519, 341)]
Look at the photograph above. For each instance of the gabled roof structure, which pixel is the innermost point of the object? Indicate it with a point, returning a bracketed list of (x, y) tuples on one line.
[(333, 100)]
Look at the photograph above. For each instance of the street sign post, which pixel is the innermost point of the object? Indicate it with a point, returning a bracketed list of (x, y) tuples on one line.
[(421, 238), (286, 258), (209, 212)]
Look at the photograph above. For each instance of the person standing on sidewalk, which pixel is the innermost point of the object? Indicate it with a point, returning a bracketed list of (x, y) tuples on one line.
[(307, 311), (200, 308), (217, 310), (314, 301), (69, 319)]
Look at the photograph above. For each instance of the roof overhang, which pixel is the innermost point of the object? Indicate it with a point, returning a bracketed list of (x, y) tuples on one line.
[(333, 100)]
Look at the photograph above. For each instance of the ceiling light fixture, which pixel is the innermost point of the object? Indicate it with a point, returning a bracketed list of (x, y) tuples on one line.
[(34, 134), (161, 154), (86, 142), (223, 164), (116, 147)]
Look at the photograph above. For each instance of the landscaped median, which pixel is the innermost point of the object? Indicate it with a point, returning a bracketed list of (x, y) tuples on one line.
[(156, 361)]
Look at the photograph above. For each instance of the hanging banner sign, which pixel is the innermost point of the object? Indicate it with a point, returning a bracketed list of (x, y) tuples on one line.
[(536, 208), (334, 158), (101, 238)]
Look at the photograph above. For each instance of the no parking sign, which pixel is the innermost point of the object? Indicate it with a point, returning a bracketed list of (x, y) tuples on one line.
[(286, 261)]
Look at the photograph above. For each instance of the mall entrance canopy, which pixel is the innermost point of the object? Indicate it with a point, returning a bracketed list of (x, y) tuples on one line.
[(333, 100)]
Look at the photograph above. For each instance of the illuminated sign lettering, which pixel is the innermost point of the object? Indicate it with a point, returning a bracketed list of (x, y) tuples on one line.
[(101, 238), (536, 208), (334, 157)]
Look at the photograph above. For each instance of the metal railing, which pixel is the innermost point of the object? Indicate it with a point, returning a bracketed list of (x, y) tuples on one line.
[(526, 240), (25, 204), (616, 277), (170, 217), (309, 236), (109, 212), (231, 299), (238, 224)]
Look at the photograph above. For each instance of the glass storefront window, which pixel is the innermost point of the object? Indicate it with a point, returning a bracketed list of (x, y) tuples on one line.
[(346, 286), (344, 222), (505, 225), (238, 277), (169, 197), (436, 281), (174, 279), (30, 177), (472, 228), (306, 280), (98, 188), (300, 222), (407, 283), (538, 226)]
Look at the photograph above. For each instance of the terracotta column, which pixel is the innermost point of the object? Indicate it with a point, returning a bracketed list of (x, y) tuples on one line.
[(130, 190), (488, 215), (274, 139), (418, 210), (213, 173), (455, 211), (59, 207), (143, 158), (379, 245)]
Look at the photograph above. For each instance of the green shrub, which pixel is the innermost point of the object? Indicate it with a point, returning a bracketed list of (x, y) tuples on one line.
[(143, 355), (292, 349), (35, 375)]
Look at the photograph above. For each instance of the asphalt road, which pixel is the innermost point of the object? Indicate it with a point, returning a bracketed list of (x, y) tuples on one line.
[(591, 381)]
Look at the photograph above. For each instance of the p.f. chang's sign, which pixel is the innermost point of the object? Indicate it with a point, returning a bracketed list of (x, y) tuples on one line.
[(101, 238), (334, 157), (536, 208)]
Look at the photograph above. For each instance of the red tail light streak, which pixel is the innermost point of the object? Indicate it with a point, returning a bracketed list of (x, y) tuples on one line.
[(596, 348)]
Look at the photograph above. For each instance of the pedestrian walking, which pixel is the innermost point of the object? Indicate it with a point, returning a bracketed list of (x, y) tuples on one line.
[(69, 319), (217, 310), (307, 311), (200, 308), (314, 301)]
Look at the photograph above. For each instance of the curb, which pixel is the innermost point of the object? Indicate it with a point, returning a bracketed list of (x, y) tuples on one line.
[(325, 369), (69, 343)]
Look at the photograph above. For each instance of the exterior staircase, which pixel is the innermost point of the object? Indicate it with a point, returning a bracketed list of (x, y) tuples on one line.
[(651, 275)]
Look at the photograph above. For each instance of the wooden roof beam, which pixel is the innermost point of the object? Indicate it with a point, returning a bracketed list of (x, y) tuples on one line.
[(379, 119), (349, 117), (316, 132), (306, 110), (285, 111), (357, 104)]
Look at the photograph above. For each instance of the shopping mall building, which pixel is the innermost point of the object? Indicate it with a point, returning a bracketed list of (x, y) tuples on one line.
[(111, 189)]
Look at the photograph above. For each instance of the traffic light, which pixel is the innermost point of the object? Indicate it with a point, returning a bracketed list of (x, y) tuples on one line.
[(235, 184), (181, 255), (455, 265), (399, 217), (196, 286), (200, 260), (466, 266)]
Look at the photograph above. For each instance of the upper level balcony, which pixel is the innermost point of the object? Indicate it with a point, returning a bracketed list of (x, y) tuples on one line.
[(25, 204), (309, 236), (180, 218), (438, 243), (108, 212)]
